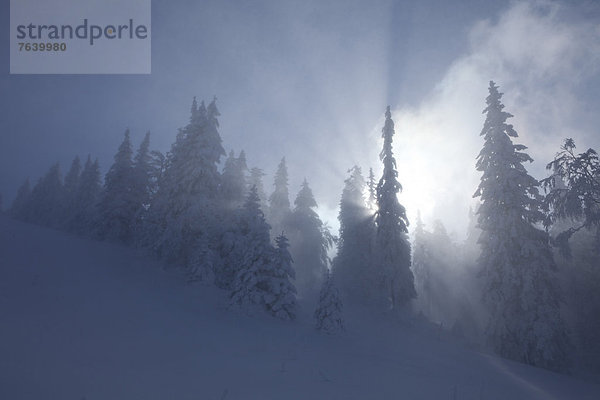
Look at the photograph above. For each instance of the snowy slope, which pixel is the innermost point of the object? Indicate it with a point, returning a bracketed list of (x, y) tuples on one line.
[(82, 319)]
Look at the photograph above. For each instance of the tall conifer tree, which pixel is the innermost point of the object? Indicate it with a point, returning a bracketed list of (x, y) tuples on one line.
[(520, 291), (328, 314), (280, 299), (117, 206), (353, 262), (233, 180), (183, 214), (143, 187), (254, 251), (279, 201), (256, 179), (393, 247), (309, 241), (372, 186)]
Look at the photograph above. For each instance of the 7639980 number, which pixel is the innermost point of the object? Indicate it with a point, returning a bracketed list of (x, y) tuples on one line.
[(23, 46)]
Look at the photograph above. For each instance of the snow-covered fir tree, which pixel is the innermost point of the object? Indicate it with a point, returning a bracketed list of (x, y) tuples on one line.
[(520, 290), (184, 211), (232, 192), (372, 187), (279, 201), (574, 192), (578, 243), (353, 262), (143, 173), (256, 180), (254, 255), (117, 207), (392, 244), (328, 315), (73, 175), (146, 228), (158, 166), (309, 243), (280, 295), (233, 180)]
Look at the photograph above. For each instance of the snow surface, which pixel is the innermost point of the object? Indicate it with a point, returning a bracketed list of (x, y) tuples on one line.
[(81, 319)]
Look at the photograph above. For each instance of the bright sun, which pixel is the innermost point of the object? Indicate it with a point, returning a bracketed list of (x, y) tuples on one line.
[(418, 186)]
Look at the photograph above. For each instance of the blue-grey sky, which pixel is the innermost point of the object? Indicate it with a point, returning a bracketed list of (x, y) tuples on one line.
[(310, 80)]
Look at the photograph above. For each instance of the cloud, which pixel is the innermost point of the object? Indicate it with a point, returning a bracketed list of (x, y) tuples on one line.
[(542, 55)]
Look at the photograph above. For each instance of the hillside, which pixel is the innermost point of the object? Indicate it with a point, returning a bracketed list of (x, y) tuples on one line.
[(81, 319)]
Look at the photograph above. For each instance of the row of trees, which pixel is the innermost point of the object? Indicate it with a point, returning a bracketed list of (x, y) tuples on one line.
[(181, 207), (217, 225), (212, 223), (507, 260)]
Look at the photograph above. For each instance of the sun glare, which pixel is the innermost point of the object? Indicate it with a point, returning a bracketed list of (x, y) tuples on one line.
[(417, 192)]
